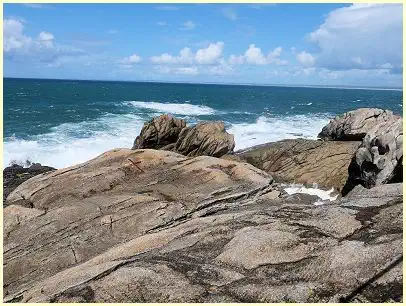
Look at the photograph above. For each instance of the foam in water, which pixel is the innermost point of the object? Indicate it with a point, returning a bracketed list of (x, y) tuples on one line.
[(175, 108), (323, 195), (268, 129), (72, 143)]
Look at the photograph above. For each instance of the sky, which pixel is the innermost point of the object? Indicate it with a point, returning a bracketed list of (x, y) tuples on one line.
[(290, 44)]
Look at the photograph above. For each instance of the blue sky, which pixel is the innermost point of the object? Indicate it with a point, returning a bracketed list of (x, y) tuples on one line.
[(308, 44)]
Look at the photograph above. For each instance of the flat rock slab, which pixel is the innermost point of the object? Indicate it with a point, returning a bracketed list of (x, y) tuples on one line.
[(304, 161), (155, 226)]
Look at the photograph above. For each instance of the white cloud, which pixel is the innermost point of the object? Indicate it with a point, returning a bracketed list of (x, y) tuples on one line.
[(236, 59), (210, 54), (112, 31), (13, 37), (254, 56), (131, 60), (305, 58), (203, 56), (369, 33), (17, 45), (161, 23), (188, 25), (46, 39), (229, 13), (177, 70)]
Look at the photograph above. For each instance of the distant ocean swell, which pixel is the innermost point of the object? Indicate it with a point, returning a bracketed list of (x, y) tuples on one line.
[(71, 143)]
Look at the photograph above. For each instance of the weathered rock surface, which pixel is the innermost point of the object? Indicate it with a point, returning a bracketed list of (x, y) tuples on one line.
[(304, 161), (165, 132), (159, 132), (156, 226), (205, 138), (379, 160), (14, 175), (354, 125)]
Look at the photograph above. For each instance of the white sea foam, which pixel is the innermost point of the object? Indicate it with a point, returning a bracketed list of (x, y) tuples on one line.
[(63, 147), (274, 128), (174, 108), (72, 143), (323, 195)]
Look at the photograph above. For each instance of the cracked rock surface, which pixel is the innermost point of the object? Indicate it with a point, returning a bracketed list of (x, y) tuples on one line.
[(304, 161), (156, 226)]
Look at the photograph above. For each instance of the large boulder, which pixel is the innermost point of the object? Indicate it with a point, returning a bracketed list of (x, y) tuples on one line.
[(354, 125), (156, 226), (379, 160), (15, 175), (159, 132), (304, 161), (205, 138)]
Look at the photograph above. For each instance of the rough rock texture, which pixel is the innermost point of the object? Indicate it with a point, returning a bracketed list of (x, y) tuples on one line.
[(15, 175), (379, 160), (205, 138), (168, 133), (354, 125), (304, 161), (156, 226), (159, 132)]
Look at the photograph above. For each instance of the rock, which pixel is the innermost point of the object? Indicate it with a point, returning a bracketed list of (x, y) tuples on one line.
[(354, 125), (15, 175), (205, 138), (379, 160), (304, 161), (84, 210), (156, 226), (168, 133), (159, 132)]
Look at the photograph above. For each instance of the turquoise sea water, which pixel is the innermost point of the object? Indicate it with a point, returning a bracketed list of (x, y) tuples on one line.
[(63, 122)]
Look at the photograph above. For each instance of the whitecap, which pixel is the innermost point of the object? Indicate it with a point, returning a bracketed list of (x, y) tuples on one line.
[(174, 108), (323, 195), (273, 128)]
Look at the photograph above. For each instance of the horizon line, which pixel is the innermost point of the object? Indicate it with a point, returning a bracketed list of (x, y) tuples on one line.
[(362, 87)]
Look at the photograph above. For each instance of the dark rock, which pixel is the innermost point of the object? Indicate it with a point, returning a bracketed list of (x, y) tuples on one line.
[(379, 160), (15, 175)]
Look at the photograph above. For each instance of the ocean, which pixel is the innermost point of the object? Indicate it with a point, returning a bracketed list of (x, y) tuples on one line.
[(63, 122)]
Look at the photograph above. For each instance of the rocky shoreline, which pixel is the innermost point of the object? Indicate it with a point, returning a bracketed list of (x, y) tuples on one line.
[(181, 217)]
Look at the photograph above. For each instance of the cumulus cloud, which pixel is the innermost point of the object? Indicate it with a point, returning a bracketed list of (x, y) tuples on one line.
[(205, 56), (254, 56), (188, 25), (305, 58), (131, 60), (18, 45), (46, 38), (361, 35)]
